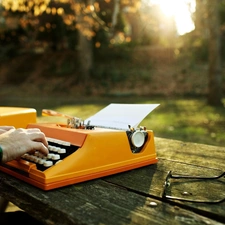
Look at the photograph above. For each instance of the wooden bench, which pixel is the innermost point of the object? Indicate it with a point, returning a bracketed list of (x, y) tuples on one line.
[(134, 197)]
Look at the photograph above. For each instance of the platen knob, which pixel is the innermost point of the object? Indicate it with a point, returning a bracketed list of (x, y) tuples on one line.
[(138, 139)]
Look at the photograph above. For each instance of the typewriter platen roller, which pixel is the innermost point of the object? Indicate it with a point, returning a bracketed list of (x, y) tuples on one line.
[(83, 153)]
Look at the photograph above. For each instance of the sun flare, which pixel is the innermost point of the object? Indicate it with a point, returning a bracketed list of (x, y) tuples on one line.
[(181, 11)]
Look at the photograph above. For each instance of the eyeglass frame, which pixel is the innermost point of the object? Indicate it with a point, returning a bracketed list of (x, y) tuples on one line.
[(176, 176)]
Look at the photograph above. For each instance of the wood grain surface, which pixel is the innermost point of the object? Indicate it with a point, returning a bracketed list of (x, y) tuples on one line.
[(133, 197)]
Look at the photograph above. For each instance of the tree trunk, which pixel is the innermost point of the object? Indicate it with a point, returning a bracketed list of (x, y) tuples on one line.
[(115, 13), (85, 51), (85, 55), (214, 72)]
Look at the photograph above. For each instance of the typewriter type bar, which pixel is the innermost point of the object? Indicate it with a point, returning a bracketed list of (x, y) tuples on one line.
[(77, 155)]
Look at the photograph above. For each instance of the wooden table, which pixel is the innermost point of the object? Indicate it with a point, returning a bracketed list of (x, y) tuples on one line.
[(133, 197)]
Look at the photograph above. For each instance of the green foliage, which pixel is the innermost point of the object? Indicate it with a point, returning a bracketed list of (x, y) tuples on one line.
[(11, 41), (109, 74), (102, 38), (121, 23), (58, 65), (111, 52), (54, 30), (54, 24), (194, 47), (21, 69), (17, 78), (147, 39), (190, 120), (115, 66)]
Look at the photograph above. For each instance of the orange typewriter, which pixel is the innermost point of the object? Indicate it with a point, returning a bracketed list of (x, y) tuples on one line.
[(84, 150)]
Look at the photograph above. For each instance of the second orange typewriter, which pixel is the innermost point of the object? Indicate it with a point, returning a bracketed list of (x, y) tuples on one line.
[(79, 152)]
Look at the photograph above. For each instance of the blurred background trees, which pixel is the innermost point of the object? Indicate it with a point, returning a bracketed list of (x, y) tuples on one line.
[(114, 43)]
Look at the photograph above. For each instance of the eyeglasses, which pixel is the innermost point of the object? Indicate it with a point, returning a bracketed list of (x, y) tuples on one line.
[(175, 176)]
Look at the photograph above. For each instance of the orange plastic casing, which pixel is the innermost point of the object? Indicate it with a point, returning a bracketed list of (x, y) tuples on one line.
[(101, 152), (17, 116)]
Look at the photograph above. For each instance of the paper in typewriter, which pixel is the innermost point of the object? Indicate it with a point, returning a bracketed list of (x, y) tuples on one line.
[(120, 116)]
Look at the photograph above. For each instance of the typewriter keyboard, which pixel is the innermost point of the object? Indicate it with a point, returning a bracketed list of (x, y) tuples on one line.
[(58, 150)]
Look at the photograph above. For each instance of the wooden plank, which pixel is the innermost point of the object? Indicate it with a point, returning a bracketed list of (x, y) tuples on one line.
[(187, 159), (192, 153), (149, 181), (95, 202)]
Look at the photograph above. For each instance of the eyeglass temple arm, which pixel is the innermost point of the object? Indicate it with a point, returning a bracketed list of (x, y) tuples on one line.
[(177, 176), (170, 175)]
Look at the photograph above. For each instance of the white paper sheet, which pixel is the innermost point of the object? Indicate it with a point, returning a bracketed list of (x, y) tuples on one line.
[(119, 116)]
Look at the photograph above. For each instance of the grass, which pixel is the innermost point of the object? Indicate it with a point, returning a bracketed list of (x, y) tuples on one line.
[(190, 120)]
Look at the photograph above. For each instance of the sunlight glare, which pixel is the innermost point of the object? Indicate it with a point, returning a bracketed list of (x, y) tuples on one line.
[(181, 11)]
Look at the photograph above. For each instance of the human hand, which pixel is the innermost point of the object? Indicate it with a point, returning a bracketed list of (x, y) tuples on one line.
[(16, 142), (5, 128)]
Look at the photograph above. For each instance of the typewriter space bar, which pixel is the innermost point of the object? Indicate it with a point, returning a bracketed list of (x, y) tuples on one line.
[(21, 165)]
